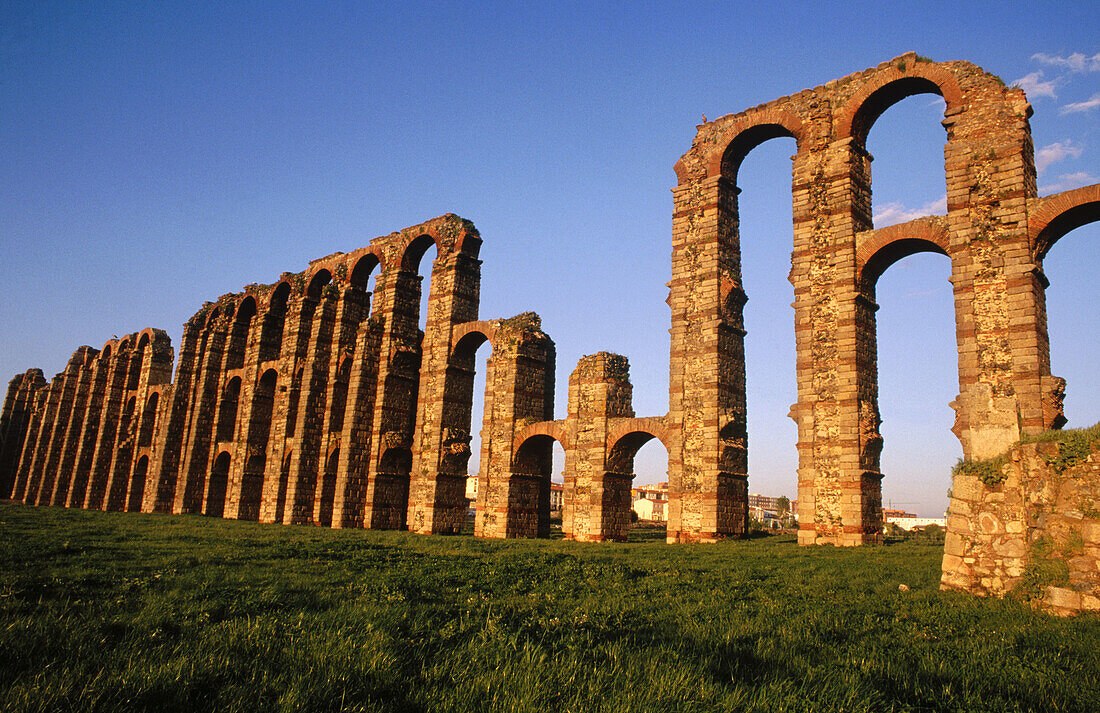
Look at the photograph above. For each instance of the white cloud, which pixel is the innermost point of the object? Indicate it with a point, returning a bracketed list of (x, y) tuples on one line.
[(1087, 105), (895, 212), (1068, 181), (1052, 153), (1076, 62), (1034, 85)]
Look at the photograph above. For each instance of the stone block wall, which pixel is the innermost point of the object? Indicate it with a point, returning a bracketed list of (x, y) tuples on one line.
[(995, 233), (1036, 532), (315, 401)]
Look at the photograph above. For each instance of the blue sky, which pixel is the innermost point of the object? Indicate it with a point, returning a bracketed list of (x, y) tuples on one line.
[(156, 155)]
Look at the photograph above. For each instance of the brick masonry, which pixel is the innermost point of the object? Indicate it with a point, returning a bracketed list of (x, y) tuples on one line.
[(315, 401), (1039, 526)]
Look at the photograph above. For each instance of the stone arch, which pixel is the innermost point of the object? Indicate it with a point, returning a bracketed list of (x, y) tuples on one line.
[(885, 246), (472, 335), (271, 334), (227, 411), (137, 484), (905, 77), (533, 453), (237, 344), (557, 430), (149, 420), (317, 282), (620, 454), (211, 318), (1059, 214), (748, 133), (219, 483), (364, 268), (277, 300), (413, 251)]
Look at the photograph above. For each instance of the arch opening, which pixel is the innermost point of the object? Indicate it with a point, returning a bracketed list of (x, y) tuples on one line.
[(911, 384), (137, 484), (1070, 270), (1069, 220), (639, 477), (903, 179), (328, 489), (219, 482), (148, 420), (886, 96), (765, 240), (257, 443), (317, 284), (744, 143), (420, 248), (392, 488), (227, 412), (238, 335), (538, 488), (271, 334)]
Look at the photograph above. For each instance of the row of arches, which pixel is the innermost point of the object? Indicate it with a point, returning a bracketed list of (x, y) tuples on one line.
[(838, 258), (91, 430)]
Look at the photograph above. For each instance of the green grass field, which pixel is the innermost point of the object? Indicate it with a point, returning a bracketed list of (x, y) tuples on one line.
[(131, 612)]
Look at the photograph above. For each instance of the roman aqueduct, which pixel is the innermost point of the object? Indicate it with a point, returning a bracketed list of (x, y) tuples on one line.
[(313, 400)]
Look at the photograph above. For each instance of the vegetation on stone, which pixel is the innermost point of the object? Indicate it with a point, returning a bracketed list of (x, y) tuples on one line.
[(135, 612)]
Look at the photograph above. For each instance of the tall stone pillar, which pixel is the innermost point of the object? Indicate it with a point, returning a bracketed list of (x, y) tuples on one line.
[(599, 390), (839, 492), (1004, 356), (437, 490), (75, 431), (513, 495), (14, 422), (708, 457)]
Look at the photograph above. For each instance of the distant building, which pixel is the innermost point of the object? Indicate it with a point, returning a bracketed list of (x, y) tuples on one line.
[(763, 502), (556, 491), (653, 509), (658, 491), (909, 522)]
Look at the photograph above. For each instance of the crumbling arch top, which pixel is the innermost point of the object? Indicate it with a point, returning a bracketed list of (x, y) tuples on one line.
[(1059, 214), (748, 133), (907, 76), (881, 248)]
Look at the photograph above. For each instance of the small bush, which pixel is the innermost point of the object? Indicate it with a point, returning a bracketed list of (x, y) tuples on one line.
[(989, 471)]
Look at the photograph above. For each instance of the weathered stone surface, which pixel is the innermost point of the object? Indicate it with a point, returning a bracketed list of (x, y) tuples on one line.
[(314, 401), (1054, 537)]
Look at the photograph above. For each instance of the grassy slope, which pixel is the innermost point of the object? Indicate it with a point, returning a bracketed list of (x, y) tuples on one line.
[(139, 612)]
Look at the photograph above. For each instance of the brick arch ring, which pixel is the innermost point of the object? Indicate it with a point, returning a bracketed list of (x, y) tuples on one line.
[(749, 132), (886, 246), (487, 330), (1059, 214), (558, 430), (653, 426), (892, 81)]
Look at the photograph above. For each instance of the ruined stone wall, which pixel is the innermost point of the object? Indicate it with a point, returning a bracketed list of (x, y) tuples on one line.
[(991, 234), (1031, 527), (296, 402), (89, 434), (314, 401), (15, 423)]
